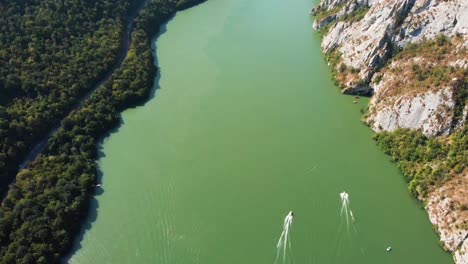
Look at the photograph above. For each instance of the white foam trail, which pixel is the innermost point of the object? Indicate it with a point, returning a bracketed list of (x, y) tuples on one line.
[(284, 242), (347, 233), (345, 208)]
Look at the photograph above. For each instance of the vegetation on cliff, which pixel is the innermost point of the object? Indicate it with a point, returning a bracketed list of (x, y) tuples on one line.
[(44, 207), (326, 18), (426, 162), (324, 12), (412, 57), (426, 66), (416, 68)]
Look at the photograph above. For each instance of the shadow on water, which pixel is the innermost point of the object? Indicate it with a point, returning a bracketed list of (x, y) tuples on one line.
[(94, 203), (157, 78), (155, 87), (92, 209)]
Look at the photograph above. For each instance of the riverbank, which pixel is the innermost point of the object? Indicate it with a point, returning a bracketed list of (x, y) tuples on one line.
[(411, 56), (45, 206)]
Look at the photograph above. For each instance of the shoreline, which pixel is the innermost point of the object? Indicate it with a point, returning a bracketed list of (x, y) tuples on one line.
[(67, 163), (364, 62)]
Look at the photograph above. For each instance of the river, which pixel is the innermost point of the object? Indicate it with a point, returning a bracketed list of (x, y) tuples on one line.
[(244, 126)]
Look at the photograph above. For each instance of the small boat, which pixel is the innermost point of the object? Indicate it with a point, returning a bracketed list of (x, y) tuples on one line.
[(389, 249), (98, 185), (354, 102)]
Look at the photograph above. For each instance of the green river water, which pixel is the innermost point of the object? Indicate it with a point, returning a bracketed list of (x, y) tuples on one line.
[(246, 125)]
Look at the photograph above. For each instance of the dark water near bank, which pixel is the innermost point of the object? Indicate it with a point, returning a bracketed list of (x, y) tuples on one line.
[(245, 126)]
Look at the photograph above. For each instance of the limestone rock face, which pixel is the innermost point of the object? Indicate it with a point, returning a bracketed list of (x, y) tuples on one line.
[(461, 255), (327, 5), (429, 18), (450, 223), (390, 23), (362, 46), (318, 24), (365, 45), (432, 112), (347, 8)]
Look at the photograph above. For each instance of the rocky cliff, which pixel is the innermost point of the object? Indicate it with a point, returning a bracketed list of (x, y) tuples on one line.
[(363, 36), (411, 57)]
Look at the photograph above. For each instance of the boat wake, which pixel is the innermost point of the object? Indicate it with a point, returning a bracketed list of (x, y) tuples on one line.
[(345, 209), (347, 233), (284, 243)]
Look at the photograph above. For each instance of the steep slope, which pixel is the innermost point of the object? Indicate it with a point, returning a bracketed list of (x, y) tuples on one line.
[(361, 37), (411, 57)]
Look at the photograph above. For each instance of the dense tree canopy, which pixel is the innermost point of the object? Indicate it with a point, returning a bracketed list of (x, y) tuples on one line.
[(426, 161), (51, 53)]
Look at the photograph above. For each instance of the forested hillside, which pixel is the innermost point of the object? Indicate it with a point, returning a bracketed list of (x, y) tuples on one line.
[(51, 53), (45, 204)]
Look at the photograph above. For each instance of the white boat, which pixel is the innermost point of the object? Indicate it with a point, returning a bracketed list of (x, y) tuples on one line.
[(389, 249)]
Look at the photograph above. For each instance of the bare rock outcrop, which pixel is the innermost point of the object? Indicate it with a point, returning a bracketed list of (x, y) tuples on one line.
[(461, 256), (431, 111), (428, 18), (412, 57), (365, 44), (449, 223), (342, 8)]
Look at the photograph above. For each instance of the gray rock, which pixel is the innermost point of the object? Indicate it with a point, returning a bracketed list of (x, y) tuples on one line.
[(431, 112), (318, 24), (429, 18), (367, 44)]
